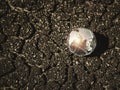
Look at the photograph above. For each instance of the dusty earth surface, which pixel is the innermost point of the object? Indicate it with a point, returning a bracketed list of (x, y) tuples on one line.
[(33, 48)]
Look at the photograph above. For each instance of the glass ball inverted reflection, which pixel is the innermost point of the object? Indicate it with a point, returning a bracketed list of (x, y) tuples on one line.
[(81, 41)]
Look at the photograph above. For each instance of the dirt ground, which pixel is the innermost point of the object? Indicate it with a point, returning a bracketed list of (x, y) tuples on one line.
[(33, 50)]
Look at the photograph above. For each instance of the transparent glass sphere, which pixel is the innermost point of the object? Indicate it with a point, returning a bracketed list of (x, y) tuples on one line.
[(81, 41)]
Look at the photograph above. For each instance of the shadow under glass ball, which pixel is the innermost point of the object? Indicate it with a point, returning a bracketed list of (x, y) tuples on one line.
[(81, 41)]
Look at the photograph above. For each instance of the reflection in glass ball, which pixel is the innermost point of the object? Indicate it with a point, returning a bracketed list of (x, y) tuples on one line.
[(81, 41)]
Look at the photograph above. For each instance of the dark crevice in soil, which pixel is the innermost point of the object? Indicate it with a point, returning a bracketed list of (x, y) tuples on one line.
[(94, 78), (21, 47), (49, 16), (66, 77), (55, 42), (32, 26), (90, 23), (5, 36), (33, 31), (29, 67), (18, 31), (45, 80), (51, 54), (103, 13), (71, 58), (75, 81), (54, 6), (47, 68), (1, 49), (85, 68), (50, 24), (36, 44)]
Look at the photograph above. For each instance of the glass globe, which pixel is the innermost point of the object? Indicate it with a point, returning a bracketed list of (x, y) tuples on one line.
[(81, 41)]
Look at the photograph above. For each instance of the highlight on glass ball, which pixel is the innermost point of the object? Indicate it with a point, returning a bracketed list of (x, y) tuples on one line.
[(81, 41)]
